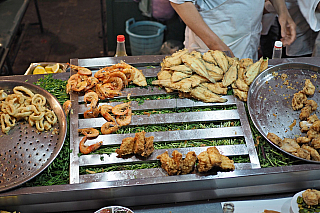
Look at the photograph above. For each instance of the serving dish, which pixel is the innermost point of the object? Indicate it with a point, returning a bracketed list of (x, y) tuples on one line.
[(62, 66), (25, 152), (270, 99), (114, 209), (294, 204)]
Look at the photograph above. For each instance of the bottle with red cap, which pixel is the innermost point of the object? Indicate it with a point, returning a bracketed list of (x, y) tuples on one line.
[(277, 50), (121, 47)]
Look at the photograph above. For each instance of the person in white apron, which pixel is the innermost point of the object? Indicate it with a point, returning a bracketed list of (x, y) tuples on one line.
[(229, 25), (310, 9)]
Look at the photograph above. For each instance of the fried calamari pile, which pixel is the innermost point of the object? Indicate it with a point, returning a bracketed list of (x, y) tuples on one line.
[(206, 77), (206, 161), (139, 145), (304, 146)]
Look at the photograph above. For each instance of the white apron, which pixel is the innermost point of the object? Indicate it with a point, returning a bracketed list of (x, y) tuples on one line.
[(238, 25)]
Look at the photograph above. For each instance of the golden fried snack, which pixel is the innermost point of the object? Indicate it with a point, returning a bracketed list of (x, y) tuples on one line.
[(214, 156), (188, 163), (310, 197), (139, 143), (308, 88), (274, 139), (148, 147), (204, 163), (298, 99), (226, 163), (169, 164), (126, 147)]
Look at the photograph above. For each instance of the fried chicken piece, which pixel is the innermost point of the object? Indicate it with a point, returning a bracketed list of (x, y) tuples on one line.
[(126, 147), (148, 147), (298, 99), (308, 88), (312, 118), (168, 164), (305, 126), (305, 113), (204, 163), (274, 139), (310, 197), (314, 153), (214, 156), (316, 126), (302, 153), (227, 164), (188, 163), (311, 103), (303, 140), (289, 145), (139, 142), (313, 133), (315, 143)]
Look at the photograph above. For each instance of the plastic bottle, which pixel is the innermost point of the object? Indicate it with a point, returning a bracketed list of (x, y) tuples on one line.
[(277, 50), (121, 47), (228, 208)]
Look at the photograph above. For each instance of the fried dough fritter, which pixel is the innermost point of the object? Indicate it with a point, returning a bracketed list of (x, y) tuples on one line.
[(204, 163), (188, 163), (308, 88), (298, 99), (310, 197), (212, 158), (168, 164)]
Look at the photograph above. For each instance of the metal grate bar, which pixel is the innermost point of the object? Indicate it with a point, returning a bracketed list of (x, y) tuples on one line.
[(178, 135), (189, 117), (103, 159), (137, 174)]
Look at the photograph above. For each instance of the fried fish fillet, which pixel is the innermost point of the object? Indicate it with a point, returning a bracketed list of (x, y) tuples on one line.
[(178, 76), (231, 75), (197, 66), (203, 94), (174, 59), (139, 79), (252, 71), (216, 88), (181, 68), (221, 59), (242, 95), (207, 56)]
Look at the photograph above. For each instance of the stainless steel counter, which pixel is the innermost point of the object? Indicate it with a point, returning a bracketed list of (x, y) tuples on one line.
[(162, 190)]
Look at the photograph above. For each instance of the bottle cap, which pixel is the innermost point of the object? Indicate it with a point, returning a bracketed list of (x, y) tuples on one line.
[(278, 44), (120, 38)]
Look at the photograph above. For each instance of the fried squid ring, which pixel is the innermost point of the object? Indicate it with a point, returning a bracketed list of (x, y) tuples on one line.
[(51, 117), (23, 91), (40, 125), (3, 95), (38, 99), (37, 117)]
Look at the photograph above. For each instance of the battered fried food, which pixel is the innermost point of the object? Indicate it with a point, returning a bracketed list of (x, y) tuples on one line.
[(203, 94), (305, 113), (289, 145), (274, 139), (314, 153), (231, 75), (139, 143), (148, 147), (176, 165), (126, 147), (308, 88), (302, 153), (212, 158), (311, 197), (188, 163), (298, 99)]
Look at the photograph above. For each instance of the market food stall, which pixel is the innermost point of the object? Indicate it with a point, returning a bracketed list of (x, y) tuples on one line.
[(225, 125)]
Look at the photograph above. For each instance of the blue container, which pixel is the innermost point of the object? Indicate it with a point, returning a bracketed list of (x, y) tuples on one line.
[(146, 37)]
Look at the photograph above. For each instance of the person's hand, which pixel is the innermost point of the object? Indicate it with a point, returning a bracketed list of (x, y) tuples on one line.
[(288, 29), (221, 46)]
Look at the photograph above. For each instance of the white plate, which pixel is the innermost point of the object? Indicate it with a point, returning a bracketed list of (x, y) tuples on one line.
[(114, 209), (294, 204)]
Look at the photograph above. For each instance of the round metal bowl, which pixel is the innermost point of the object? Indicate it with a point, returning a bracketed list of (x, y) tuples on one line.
[(270, 98), (25, 152)]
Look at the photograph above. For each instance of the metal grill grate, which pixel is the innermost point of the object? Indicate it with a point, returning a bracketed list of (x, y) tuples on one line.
[(238, 114)]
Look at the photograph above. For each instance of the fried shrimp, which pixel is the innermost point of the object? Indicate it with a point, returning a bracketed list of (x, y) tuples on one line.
[(121, 109), (91, 97), (124, 120), (89, 132), (129, 74), (109, 127), (81, 70), (116, 83), (67, 106), (84, 149), (104, 111)]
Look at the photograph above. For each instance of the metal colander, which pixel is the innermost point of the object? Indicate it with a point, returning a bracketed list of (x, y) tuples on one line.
[(24, 151), (270, 99)]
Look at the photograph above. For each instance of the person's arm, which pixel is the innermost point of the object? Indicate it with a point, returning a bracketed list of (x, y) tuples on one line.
[(288, 27), (191, 17)]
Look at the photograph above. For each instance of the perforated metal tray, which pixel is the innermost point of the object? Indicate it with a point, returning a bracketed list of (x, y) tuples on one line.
[(270, 97), (24, 151)]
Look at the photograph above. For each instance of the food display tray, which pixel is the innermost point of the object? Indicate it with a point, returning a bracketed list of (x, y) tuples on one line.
[(270, 100), (25, 152), (186, 118)]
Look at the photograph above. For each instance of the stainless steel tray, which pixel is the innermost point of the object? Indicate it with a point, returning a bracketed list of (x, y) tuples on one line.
[(24, 151), (269, 100), (239, 114)]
